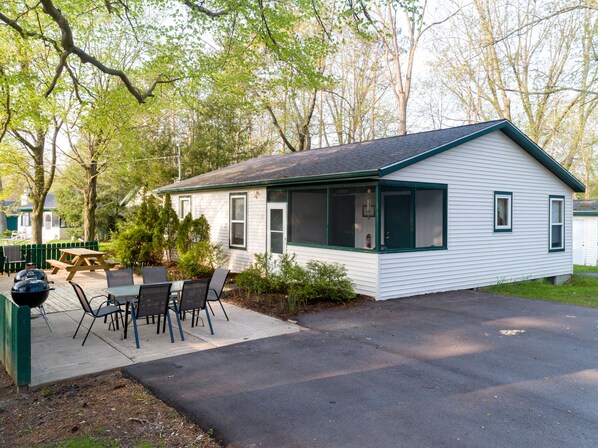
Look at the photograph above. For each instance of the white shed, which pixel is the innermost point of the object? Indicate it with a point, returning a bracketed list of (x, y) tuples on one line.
[(585, 232), (442, 210)]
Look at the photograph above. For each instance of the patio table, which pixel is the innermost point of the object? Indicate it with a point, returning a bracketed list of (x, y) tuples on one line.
[(130, 292)]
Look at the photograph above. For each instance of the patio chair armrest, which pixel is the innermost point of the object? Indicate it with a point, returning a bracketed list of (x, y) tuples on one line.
[(100, 295), (215, 292)]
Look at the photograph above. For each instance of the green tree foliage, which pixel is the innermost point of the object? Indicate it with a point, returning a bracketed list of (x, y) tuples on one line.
[(165, 234), (190, 232), (202, 259), (135, 248)]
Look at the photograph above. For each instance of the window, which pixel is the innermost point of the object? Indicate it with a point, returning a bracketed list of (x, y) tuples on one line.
[(26, 219), (413, 217), (184, 206), (557, 223), (308, 216), (238, 224), (55, 220), (503, 211), (334, 216)]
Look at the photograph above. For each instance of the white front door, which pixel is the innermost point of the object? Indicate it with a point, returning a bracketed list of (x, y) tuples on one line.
[(579, 241), (277, 228)]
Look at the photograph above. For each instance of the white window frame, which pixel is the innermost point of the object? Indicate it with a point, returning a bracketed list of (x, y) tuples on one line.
[(508, 227), (552, 223), (232, 221), (181, 200)]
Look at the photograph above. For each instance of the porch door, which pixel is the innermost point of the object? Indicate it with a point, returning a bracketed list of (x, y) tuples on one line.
[(277, 228), (398, 232)]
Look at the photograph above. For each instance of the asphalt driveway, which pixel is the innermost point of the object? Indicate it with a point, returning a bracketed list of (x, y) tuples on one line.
[(455, 369)]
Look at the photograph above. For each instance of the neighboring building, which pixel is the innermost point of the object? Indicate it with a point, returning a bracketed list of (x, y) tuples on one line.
[(53, 228), (585, 232), (442, 210)]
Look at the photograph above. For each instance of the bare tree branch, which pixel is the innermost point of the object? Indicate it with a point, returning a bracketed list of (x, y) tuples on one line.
[(280, 131), (200, 8)]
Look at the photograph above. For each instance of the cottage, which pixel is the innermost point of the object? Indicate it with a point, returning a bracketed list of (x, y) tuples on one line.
[(442, 210), (53, 227), (585, 232)]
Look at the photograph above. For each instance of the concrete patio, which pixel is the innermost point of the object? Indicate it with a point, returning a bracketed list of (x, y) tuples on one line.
[(55, 355)]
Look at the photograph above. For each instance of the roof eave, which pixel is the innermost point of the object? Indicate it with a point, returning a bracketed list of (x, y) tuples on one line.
[(514, 134), (273, 182)]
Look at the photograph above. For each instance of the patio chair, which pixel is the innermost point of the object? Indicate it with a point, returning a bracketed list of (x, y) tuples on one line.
[(194, 298), (105, 309), (154, 300), (154, 274), (216, 287), (120, 277), (13, 256)]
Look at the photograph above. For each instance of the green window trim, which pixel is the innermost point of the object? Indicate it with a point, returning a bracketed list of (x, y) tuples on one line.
[(231, 221), (377, 186), (498, 228), (414, 187), (551, 224)]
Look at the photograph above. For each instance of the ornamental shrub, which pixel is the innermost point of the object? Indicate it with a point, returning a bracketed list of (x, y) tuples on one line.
[(317, 281), (201, 260), (191, 231), (135, 247)]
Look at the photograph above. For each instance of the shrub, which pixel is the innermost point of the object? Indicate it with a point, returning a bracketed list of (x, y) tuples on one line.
[(328, 281), (192, 231), (202, 259), (252, 281), (134, 247), (317, 281)]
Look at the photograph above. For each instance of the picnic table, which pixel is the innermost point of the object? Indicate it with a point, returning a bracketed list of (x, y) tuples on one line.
[(79, 259)]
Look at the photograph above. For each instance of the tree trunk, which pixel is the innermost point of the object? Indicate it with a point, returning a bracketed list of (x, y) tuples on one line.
[(90, 201), (37, 220)]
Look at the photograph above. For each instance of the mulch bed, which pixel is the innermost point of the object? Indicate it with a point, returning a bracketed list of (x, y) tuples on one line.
[(276, 305)]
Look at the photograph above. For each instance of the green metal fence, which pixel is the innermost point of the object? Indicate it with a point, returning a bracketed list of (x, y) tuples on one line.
[(15, 340), (39, 253)]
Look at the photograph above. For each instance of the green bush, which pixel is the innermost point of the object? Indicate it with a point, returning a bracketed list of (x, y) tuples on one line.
[(325, 281), (317, 281), (201, 260), (191, 231), (252, 281), (135, 247)]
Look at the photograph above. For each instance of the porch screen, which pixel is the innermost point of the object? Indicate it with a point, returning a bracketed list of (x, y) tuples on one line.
[(413, 218), (308, 216)]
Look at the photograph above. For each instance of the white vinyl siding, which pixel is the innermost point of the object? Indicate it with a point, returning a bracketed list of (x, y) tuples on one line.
[(476, 255), (214, 205)]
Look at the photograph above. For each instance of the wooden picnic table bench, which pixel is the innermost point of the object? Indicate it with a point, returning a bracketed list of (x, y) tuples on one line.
[(79, 259)]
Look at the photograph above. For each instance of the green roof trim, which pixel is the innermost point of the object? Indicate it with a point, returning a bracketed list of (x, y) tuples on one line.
[(585, 213), (285, 181), (511, 131)]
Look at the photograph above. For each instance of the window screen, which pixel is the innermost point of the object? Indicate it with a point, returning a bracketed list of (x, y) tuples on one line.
[(308, 216)]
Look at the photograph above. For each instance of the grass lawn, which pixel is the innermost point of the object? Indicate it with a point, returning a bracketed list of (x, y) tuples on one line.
[(581, 268), (582, 291)]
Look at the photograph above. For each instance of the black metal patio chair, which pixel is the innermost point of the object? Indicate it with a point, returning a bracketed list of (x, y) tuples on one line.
[(13, 256), (216, 287), (106, 308), (194, 298), (154, 300)]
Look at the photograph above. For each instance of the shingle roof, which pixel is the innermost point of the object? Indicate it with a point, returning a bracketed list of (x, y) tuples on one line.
[(585, 206), (50, 204), (373, 158)]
